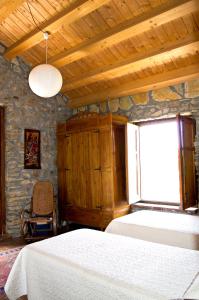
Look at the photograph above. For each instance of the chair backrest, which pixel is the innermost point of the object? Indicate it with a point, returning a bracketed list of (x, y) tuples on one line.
[(43, 198)]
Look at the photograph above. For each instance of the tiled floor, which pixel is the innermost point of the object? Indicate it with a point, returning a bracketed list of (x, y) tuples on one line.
[(11, 243)]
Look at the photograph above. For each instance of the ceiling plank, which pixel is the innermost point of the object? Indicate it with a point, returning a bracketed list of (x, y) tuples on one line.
[(7, 7), (139, 86), (77, 10), (160, 15), (136, 62)]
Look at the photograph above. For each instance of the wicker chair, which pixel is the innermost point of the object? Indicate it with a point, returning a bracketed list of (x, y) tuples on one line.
[(40, 221)]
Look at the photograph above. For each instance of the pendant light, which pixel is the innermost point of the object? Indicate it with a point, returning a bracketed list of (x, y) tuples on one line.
[(44, 80)]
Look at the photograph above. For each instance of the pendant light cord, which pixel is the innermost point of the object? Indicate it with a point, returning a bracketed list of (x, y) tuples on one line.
[(46, 50), (27, 1), (46, 39), (45, 33)]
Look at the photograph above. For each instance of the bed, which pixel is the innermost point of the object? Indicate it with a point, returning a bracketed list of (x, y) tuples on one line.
[(166, 228), (89, 264)]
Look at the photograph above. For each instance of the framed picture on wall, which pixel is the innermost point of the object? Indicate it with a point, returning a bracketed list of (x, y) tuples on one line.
[(32, 149)]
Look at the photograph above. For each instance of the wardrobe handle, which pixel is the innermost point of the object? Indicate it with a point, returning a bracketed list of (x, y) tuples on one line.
[(99, 206)]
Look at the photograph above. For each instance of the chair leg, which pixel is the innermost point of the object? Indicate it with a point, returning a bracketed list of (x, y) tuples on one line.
[(54, 228)]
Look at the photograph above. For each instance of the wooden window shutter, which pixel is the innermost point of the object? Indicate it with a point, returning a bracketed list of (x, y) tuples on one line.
[(133, 163), (188, 190)]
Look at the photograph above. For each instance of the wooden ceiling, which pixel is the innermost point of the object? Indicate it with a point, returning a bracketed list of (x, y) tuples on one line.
[(106, 48)]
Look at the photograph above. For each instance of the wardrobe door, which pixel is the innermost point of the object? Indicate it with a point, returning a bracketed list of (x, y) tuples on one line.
[(94, 201), (83, 168), (106, 161), (75, 165), (68, 170), (71, 167)]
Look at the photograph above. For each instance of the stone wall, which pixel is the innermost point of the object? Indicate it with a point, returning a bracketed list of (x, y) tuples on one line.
[(23, 110), (166, 102)]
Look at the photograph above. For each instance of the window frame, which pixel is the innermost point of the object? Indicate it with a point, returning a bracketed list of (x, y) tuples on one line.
[(184, 166)]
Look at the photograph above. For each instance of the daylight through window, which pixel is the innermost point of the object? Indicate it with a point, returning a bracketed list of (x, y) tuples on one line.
[(159, 162)]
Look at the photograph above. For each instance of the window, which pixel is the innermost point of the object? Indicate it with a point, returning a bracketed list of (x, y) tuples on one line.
[(159, 172), (161, 162)]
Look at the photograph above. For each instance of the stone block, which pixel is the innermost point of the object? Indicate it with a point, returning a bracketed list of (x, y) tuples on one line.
[(179, 88), (192, 88), (103, 107), (165, 111), (94, 108), (113, 105), (141, 98), (165, 94), (126, 103), (82, 109), (157, 114)]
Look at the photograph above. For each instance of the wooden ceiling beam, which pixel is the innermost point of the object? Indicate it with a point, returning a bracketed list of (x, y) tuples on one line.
[(160, 15), (7, 7), (136, 62), (139, 86), (77, 10)]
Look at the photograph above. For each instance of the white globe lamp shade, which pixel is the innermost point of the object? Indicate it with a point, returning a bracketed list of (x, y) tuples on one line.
[(45, 80)]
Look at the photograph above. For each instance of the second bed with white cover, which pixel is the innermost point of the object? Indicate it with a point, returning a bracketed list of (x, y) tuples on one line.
[(173, 229)]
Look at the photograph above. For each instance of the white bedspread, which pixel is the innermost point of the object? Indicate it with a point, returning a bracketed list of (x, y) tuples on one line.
[(88, 264), (167, 228)]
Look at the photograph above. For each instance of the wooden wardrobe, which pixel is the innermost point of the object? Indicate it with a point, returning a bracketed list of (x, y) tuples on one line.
[(91, 169)]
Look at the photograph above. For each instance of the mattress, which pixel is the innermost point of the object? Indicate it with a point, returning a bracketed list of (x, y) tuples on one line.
[(166, 228), (87, 264)]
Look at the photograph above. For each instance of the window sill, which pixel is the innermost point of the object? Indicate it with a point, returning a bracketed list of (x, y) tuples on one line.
[(163, 207)]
